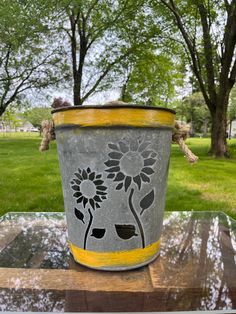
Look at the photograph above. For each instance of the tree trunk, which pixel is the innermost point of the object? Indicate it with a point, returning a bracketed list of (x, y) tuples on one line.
[(2, 110), (76, 92), (218, 130)]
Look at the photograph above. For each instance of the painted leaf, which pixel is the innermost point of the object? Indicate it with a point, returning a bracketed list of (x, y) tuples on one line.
[(147, 201), (79, 215), (125, 232), (98, 233)]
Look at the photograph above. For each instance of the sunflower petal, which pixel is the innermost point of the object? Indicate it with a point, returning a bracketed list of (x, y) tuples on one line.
[(115, 155), (113, 169), (75, 187), (77, 194), (123, 147), (79, 170), (84, 174), (134, 146), (112, 163), (149, 162), (80, 199), (78, 176), (98, 206), (143, 146), (85, 201), (101, 193), (92, 176), (97, 198), (103, 197), (144, 177), (120, 176), (98, 176), (137, 180), (148, 170), (98, 182), (77, 181), (88, 170), (119, 186), (127, 182), (111, 175), (153, 155), (92, 203), (101, 188), (146, 153), (113, 146)]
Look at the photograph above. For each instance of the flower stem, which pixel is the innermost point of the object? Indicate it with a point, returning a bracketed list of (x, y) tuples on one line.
[(136, 217), (87, 230)]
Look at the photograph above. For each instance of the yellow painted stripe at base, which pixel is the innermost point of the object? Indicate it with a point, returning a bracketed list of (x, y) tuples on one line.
[(114, 259), (112, 117)]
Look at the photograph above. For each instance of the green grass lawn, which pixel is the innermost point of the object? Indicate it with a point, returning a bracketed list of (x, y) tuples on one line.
[(30, 180)]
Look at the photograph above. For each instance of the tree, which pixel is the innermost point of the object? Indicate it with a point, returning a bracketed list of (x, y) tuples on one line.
[(29, 53), (208, 34), (196, 113), (37, 115), (102, 36), (11, 118), (151, 79)]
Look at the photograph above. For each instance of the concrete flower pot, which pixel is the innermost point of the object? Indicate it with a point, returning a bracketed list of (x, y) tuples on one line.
[(114, 166)]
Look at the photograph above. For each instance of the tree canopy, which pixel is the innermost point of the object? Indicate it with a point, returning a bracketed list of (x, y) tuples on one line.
[(29, 57)]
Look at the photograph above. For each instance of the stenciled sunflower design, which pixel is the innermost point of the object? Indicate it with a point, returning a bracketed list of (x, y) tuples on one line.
[(130, 162), (89, 191), (89, 188)]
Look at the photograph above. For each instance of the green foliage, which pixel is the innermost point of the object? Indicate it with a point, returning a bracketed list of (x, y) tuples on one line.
[(11, 118), (29, 53), (193, 110), (151, 79), (37, 115)]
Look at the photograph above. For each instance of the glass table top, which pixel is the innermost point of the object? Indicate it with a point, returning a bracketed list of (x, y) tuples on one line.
[(196, 269)]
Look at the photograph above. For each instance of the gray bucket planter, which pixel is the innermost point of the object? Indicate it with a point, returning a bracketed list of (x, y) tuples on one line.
[(114, 166)]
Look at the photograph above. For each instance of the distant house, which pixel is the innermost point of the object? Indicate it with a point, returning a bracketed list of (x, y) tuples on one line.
[(21, 126), (26, 127), (232, 129)]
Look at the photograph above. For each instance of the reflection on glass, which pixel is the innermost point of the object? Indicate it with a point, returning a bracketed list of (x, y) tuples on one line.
[(198, 252), (197, 264)]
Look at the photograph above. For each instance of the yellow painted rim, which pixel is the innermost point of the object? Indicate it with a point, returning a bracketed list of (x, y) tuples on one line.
[(90, 117), (114, 259)]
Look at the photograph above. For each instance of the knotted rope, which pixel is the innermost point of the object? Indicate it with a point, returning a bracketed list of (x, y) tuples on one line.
[(180, 134), (48, 134)]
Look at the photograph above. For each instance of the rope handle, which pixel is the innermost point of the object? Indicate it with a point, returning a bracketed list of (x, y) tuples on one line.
[(180, 134), (48, 134)]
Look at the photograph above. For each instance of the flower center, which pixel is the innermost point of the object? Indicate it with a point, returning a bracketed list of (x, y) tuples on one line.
[(88, 188), (131, 164)]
